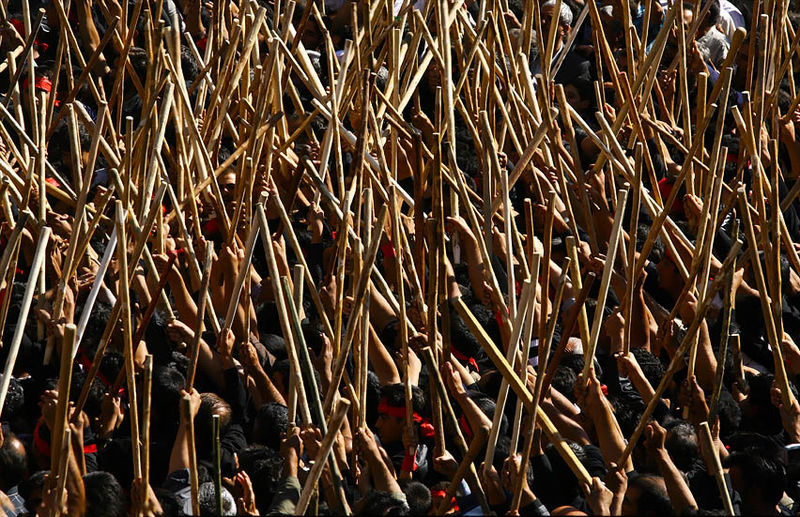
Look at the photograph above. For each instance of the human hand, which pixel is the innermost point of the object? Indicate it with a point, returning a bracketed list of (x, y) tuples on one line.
[(194, 403)]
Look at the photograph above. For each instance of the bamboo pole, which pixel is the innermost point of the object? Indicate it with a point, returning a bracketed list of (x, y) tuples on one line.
[(718, 473), (201, 314), (193, 479), (677, 359), (605, 282), (64, 381), (16, 340), (124, 286), (321, 459), (521, 391)]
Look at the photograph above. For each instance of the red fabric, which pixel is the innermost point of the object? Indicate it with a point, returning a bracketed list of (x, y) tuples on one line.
[(44, 447), (20, 26), (41, 445), (463, 357), (201, 44), (426, 429), (40, 83), (409, 463), (665, 187), (387, 249), (465, 428), (441, 494)]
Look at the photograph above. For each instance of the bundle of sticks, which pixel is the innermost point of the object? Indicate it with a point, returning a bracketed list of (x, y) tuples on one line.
[(462, 200)]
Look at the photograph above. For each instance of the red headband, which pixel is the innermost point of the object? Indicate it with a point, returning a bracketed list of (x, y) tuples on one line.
[(463, 357), (425, 427), (40, 83), (441, 494)]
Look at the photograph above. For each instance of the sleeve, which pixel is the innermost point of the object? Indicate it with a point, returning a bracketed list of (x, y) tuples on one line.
[(535, 509), (286, 497), (236, 395)]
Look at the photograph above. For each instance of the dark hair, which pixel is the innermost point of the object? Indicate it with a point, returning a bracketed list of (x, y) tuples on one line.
[(396, 396), (271, 420), (265, 468), (681, 443), (104, 495), (167, 383), (378, 502), (760, 471), (651, 366), (13, 462), (210, 404), (712, 18), (418, 496), (653, 498)]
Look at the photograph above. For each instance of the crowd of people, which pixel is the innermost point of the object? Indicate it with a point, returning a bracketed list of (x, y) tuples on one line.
[(388, 258)]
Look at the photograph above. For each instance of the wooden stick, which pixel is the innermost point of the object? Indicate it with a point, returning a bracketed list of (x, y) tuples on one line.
[(522, 392), (147, 397), (321, 459), (718, 473), (475, 447), (64, 381), (193, 479), (677, 359), (16, 340), (525, 305), (781, 378), (605, 281), (217, 465), (124, 286), (283, 314), (201, 315)]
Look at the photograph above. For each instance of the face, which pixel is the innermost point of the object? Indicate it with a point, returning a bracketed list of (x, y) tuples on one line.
[(668, 275), (574, 98), (548, 16), (227, 184), (390, 428)]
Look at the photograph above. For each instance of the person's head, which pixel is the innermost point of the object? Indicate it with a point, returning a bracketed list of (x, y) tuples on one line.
[(207, 494), (681, 443), (564, 19), (104, 495), (167, 383), (378, 502), (579, 93), (759, 479), (211, 404), (688, 14), (712, 18), (227, 185), (646, 495), (265, 467), (31, 490), (13, 462), (417, 495), (391, 412), (271, 420)]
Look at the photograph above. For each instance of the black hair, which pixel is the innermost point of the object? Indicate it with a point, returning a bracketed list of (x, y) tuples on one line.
[(760, 471), (418, 496), (652, 368), (271, 420), (104, 495), (396, 396), (681, 443), (653, 498), (712, 18), (378, 502), (265, 468)]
